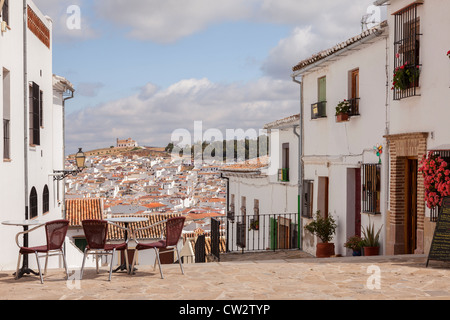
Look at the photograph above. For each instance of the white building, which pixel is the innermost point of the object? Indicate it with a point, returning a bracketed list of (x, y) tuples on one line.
[(32, 143), (418, 117), (263, 194), (338, 159)]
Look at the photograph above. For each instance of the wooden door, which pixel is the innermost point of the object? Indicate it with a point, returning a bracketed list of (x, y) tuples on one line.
[(411, 166)]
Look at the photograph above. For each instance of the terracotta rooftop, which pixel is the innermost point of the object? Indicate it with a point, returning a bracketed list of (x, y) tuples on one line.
[(251, 165), (78, 210)]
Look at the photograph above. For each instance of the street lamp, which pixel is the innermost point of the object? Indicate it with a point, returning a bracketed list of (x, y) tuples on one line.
[(80, 160)]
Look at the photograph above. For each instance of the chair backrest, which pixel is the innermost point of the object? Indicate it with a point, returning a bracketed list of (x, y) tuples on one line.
[(56, 233), (95, 232), (174, 228)]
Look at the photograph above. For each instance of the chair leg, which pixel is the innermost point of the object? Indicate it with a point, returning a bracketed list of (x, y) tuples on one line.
[(179, 260), (18, 266), (134, 261), (65, 264), (126, 261), (82, 265), (159, 262), (111, 266), (39, 267), (46, 263)]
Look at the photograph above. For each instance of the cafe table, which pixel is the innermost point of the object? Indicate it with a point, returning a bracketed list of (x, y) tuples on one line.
[(126, 221), (25, 224)]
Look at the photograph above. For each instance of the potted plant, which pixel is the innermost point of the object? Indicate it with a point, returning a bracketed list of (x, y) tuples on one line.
[(324, 229), (254, 225), (406, 76), (371, 243), (355, 243), (342, 110)]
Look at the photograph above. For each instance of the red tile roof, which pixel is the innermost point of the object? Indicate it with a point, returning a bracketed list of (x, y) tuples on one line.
[(78, 210)]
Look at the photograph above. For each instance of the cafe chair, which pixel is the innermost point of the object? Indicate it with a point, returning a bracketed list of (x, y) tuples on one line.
[(96, 232), (55, 232), (173, 230)]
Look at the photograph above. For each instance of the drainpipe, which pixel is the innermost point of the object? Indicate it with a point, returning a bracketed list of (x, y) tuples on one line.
[(25, 106), (300, 166)]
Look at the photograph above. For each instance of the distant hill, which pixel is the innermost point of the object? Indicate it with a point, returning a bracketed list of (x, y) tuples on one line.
[(127, 151)]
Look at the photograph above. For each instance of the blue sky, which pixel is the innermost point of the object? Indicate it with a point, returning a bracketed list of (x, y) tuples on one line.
[(143, 69)]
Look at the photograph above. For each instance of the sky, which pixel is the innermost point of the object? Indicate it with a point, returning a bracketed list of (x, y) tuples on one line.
[(143, 69)]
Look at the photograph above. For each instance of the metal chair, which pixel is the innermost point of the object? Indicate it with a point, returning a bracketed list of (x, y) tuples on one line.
[(96, 232), (173, 230), (55, 233)]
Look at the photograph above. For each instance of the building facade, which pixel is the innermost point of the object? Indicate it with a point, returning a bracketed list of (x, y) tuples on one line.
[(32, 143), (342, 176)]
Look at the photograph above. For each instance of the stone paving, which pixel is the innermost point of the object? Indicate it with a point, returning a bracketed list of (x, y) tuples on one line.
[(285, 276)]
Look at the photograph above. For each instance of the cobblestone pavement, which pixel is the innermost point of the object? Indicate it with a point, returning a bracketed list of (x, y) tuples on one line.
[(283, 277)]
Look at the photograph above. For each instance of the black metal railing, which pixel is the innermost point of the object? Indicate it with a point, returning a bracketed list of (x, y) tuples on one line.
[(6, 139), (407, 47), (319, 110), (371, 175), (215, 238), (354, 107), (200, 250), (263, 232)]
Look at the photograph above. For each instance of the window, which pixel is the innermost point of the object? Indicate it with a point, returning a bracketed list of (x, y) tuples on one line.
[(6, 115), (41, 109), (308, 187), (232, 208), (354, 92), (371, 183), (35, 111), (318, 110), (33, 203), (283, 174), (5, 12), (45, 200), (407, 49)]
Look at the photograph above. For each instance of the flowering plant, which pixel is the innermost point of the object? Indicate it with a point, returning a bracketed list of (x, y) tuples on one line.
[(405, 76), (343, 107), (436, 173), (354, 243), (448, 54)]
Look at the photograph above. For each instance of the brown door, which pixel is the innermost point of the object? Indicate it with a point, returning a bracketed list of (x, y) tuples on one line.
[(411, 205)]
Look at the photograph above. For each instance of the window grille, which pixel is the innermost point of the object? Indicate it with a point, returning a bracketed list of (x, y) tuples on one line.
[(371, 182), (407, 47)]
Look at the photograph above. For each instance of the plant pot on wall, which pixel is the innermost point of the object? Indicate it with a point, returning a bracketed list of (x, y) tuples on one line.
[(342, 117), (324, 250)]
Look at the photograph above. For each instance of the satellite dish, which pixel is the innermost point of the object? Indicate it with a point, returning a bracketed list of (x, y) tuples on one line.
[(372, 18)]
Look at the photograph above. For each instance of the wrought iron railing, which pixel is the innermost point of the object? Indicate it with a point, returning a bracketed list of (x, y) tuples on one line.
[(263, 232), (354, 107), (319, 110)]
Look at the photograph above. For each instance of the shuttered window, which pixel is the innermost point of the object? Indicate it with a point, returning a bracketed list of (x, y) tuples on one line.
[(35, 111)]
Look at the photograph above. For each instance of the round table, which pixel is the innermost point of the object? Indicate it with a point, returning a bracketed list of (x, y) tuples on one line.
[(24, 224), (126, 221)]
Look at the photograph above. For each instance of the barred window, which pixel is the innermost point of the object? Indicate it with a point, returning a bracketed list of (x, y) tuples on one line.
[(308, 187), (45, 200), (371, 183), (33, 203)]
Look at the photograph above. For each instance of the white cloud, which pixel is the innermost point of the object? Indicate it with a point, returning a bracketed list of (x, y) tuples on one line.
[(169, 20), (151, 118)]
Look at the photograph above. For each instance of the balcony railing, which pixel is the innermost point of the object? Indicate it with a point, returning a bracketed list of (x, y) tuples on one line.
[(283, 175), (354, 107), (263, 232), (319, 110)]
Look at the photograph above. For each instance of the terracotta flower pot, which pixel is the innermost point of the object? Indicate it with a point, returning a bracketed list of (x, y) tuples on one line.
[(324, 250), (342, 117), (371, 251)]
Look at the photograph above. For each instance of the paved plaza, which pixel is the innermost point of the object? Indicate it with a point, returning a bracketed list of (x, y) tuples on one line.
[(285, 276)]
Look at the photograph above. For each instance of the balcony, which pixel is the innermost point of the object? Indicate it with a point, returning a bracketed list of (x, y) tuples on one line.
[(354, 107), (319, 110), (283, 175)]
